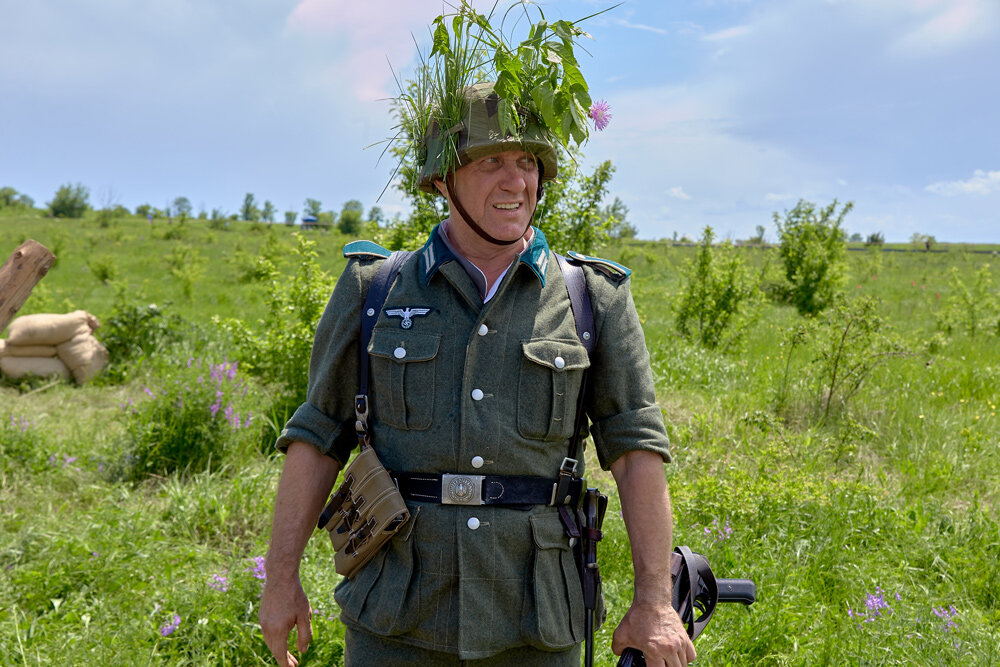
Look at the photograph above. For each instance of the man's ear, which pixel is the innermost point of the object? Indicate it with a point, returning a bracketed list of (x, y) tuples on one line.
[(439, 184)]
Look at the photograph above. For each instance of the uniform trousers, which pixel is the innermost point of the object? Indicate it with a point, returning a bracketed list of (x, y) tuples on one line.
[(364, 650)]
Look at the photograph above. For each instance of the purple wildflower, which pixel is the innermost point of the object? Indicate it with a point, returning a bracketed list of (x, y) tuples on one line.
[(94, 555), (149, 392), (947, 615), (600, 112), (169, 628), (247, 424), (257, 569), (220, 582), (229, 414)]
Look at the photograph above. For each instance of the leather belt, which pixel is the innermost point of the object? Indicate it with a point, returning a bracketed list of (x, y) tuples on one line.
[(460, 489)]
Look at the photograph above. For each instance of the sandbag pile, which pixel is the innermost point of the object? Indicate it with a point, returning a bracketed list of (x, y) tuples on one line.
[(62, 345)]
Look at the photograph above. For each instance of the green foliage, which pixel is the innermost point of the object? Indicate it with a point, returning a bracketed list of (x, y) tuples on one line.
[(350, 222), (182, 206), (853, 341), (570, 214), (185, 425), (718, 295), (249, 210), (973, 308), (621, 228), (103, 268), (70, 201), (312, 207), (143, 210), (812, 252), (132, 334), (268, 212), (277, 350), (876, 239), (8, 196), (290, 217), (186, 267), (539, 75)]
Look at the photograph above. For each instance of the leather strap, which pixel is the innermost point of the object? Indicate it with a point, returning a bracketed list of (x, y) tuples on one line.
[(496, 489)]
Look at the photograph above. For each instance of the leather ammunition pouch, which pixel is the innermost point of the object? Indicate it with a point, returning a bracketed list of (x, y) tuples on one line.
[(363, 514)]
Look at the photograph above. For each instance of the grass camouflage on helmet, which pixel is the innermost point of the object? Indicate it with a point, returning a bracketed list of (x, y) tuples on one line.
[(478, 93)]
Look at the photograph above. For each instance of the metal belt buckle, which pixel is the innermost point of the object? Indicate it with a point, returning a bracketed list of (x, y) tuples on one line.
[(462, 489)]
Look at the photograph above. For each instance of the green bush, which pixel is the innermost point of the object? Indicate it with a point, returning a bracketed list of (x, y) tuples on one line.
[(71, 201), (277, 350), (812, 251), (973, 308), (132, 334), (185, 425), (717, 296)]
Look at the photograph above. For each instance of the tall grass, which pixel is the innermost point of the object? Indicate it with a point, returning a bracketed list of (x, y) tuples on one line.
[(872, 535)]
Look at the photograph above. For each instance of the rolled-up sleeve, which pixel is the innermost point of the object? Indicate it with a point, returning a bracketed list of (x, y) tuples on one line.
[(621, 400), (326, 419)]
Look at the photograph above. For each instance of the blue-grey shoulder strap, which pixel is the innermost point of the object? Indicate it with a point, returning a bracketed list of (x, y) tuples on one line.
[(583, 316), (374, 299), (579, 299)]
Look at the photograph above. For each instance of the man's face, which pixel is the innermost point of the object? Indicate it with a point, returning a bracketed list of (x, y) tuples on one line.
[(500, 192)]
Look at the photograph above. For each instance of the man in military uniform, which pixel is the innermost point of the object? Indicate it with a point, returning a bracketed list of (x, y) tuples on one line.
[(476, 366)]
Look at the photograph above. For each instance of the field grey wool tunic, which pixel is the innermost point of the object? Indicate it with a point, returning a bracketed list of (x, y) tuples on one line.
[(479, 389)]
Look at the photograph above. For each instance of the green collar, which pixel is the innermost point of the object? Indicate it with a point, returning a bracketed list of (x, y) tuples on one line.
[(436, 252)]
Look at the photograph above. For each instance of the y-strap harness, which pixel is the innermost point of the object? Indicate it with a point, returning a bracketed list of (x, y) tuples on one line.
[(461, 489)]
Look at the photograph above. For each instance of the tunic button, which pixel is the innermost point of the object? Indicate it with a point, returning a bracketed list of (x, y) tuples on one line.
[(473, 523), (572, 541), (477, 394), (560, 363), (371, 311), (477, 462), (399, 352), (483, 330)]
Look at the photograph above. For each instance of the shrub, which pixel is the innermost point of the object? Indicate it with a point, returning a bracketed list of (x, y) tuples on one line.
[(717, 295), (185, 425), (103, 268), (278, 349), (132, 334), (70, 201), (853, 340), (974, 308), (812, 251)]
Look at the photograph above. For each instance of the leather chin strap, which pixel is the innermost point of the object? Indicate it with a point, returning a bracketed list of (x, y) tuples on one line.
[(449, 183)]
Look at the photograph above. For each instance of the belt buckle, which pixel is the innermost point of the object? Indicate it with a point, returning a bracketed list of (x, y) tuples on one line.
[(462, 489)]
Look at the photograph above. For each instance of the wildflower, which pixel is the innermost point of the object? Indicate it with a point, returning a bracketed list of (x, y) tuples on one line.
[(190, 361), (220, 582), (94, 555), (947, 616), (600, 112), (257, 569), (149, 392), (169, 628), (247, 424)]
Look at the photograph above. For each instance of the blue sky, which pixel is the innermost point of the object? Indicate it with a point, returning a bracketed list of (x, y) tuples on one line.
[(724, 110)]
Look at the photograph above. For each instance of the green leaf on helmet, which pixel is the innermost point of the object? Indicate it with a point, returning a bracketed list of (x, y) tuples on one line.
[(441, 42)]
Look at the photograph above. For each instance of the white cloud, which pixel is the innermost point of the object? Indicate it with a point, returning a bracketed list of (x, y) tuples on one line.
[(677, 192), (728, 33), (947, 24), (981, 183), (639, 26)]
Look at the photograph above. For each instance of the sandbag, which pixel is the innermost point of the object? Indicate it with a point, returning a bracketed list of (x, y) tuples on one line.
[(84, 356), (49, 329), (18, 367), (29, 351)]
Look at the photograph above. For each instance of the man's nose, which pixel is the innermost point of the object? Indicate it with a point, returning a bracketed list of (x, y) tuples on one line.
[(512, 178)]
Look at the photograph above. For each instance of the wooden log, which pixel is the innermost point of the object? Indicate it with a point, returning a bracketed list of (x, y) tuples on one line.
[(19, 275)]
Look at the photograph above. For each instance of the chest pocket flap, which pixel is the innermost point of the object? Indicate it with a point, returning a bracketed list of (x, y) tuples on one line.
[(550, 377), (403, 372), (557, 355)]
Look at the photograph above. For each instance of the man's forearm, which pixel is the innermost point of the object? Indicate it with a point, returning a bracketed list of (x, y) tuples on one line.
[(645, 500), (306, 481)]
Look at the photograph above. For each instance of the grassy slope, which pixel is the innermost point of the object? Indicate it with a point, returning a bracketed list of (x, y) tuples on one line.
[(900, 492)]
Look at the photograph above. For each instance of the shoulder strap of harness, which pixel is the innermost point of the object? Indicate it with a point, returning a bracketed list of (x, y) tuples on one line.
[(583, 317), (374, 300)]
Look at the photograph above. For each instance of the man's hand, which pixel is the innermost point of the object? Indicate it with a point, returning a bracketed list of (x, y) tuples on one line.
[(658, 632), (283, 606)]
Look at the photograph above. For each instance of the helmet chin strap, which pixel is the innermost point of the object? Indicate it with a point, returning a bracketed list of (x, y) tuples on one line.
[(450, 185)]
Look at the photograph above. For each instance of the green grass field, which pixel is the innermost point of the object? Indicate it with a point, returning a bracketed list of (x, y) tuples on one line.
[(872, 535)]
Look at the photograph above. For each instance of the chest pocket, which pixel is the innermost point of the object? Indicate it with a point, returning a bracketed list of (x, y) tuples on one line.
[(402, 364), (550, 376)]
